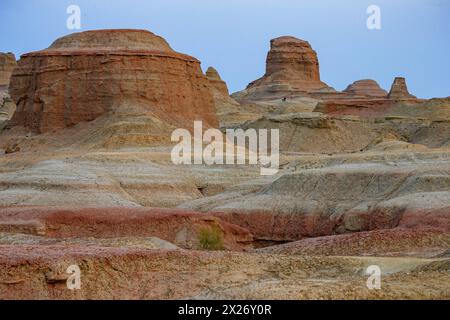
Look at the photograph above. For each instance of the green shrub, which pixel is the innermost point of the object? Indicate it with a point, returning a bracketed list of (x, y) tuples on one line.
[(210, 238)]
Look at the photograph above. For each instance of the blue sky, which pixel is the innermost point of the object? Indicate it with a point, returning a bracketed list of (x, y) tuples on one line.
[(233, 35)]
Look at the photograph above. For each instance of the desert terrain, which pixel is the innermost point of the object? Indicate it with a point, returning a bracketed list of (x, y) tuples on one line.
[(86, 179)]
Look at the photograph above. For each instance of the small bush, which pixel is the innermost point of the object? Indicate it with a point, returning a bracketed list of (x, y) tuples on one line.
[(210, 238)]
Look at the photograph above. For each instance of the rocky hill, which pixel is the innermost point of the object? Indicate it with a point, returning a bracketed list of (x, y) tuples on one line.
[(86, 178)]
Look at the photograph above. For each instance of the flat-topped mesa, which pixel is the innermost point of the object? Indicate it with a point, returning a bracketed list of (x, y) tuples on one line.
[(292, 68), (366, 88), (399, 90), (216, 81), (7, 65), (85, 75), (107, 40)]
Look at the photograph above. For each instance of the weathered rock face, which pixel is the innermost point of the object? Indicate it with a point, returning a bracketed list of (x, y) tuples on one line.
[(85, 75), (367, 87), (7, 65), (7, 107), (339, 199), (228, 110), (425, 242), (291, 67), (399, 90), (217, 82), (177, 226), (292, 59), (38, 272)]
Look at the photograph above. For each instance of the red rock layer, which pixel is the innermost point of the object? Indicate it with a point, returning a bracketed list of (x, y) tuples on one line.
[(177, 226), (355, 107), (85, 75), (369, 88), (426, 242), (291, 227)]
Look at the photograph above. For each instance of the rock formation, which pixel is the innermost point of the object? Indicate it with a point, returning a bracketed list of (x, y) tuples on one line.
[(292, 67), (363, 180), (292, 72), (85, 75), (291, 58), (399, 90), (367, 87), (7, 107), (215, 80), (7, 65), (176, 226), (340, 199), (227, 109)]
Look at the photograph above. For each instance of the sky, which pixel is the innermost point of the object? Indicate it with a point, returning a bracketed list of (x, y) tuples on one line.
[(233, 35)]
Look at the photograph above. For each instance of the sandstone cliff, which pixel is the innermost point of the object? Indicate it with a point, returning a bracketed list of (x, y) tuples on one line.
[(216, 81), (85, 75), (228, 110), (292, 68)]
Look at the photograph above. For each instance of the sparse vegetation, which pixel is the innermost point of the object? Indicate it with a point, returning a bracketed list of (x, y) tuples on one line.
[(210, 238)]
